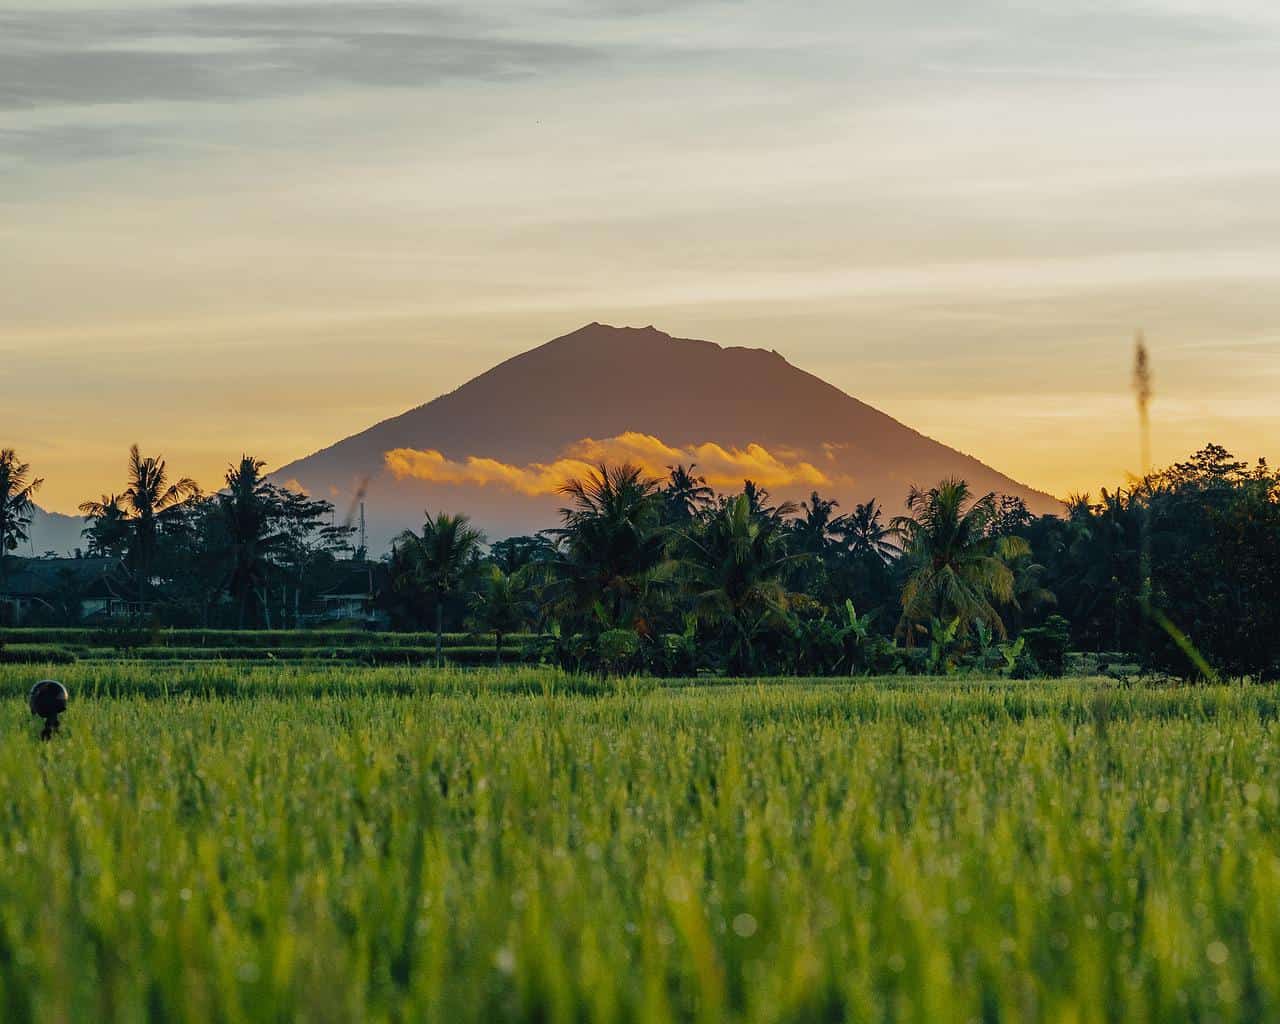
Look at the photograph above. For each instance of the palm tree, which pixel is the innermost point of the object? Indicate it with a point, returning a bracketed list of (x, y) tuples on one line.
[(1029, 592), (439, 560), (149, 503), (16, 490), (956, 569), (501, 605), (108, 532), (813, 530), (686, 495), (612, 560), (758, 504), (819, 573), (1101, 556), (864, 533), (733, 566), (249, 508)]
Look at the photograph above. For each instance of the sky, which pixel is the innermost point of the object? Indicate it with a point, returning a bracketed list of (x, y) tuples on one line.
[(261, 227)]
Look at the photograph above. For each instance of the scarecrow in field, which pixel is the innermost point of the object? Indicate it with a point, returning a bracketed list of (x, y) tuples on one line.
[(48, 700)]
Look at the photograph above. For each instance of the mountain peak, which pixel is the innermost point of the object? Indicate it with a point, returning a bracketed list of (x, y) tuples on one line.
[(490, 447), (648, 340), (596, 325), (596, 331)]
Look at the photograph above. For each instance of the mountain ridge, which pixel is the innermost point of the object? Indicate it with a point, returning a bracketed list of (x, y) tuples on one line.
[(52, 531), (600, 382)]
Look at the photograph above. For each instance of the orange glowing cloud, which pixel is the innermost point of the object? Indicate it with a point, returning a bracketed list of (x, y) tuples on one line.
[(722, 467)]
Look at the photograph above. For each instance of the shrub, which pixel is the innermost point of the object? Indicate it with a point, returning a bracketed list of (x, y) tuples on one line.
[(618, 651), (674, 655), (1046, 646)]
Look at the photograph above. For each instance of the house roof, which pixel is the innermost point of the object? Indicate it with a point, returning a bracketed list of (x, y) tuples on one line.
[(40, 577), (353, 579)]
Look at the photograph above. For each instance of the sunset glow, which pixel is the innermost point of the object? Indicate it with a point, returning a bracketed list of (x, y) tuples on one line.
[(720, 467), (222, 233)]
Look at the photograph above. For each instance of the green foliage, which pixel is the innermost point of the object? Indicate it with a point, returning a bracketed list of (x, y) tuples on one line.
[(1011, 653), (132, 524), (1048, 644), (675, 655), (618, 651), (957, 565), (1175, 575), (246, 509), (435, 564), (1211, 529), (250, 555), (610, 569), (501, 605), (732, 571), (944, 651), (685, 496), (17, 488), (835, 645), (988, 656)]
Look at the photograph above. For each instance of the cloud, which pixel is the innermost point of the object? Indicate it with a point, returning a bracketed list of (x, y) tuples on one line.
[(242, 52), (723, 467), (225, 52)]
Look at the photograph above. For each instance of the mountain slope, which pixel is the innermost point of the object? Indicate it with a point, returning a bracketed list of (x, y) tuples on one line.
[(52, 531), (600, 382)]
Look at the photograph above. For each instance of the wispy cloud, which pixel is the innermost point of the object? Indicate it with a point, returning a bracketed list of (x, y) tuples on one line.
[(723, 467), (250, 51), (221, 52)]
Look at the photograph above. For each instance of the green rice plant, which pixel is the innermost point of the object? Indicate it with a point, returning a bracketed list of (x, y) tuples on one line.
[(35, 654), (249, 842)]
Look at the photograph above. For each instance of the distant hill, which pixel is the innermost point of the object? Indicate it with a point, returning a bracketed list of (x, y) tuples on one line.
[(52, 531), (496, 446)]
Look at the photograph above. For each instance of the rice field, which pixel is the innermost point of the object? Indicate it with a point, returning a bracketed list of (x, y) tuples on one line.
[(265, 843)]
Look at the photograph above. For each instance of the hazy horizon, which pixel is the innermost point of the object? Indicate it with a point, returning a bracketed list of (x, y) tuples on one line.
[(264, 227)]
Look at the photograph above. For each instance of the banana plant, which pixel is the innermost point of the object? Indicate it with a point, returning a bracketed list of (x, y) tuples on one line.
[(854, 635), (985, 655), (942, 641), (1011, 653)]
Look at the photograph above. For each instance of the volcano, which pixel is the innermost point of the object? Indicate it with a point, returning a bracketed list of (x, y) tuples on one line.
[(498, 447)]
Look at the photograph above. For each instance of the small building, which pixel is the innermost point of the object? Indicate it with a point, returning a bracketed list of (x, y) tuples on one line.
[(350, 597), (79, 588)]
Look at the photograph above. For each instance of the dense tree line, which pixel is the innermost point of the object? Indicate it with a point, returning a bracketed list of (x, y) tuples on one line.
[(1177, 573), (1199, 542), (249, 556)]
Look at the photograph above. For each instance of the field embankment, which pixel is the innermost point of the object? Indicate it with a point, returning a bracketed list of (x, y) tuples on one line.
[(307, 647)]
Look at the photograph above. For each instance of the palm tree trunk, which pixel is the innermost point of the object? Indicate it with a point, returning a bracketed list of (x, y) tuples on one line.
[(439, 632), (144, 537), (142, 582)]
